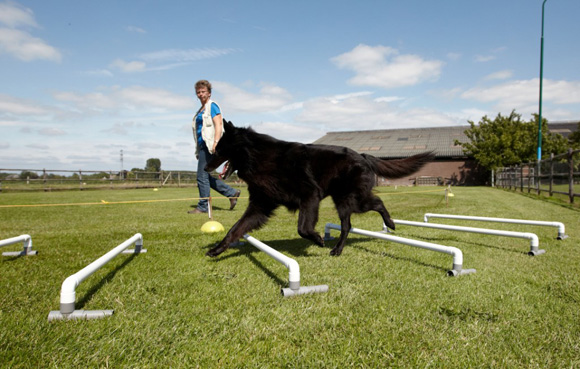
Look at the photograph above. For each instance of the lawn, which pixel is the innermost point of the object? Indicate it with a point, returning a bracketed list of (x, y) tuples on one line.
[(388, 305)]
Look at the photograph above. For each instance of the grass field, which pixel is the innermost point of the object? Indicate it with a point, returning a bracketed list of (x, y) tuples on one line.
[(388, 305)]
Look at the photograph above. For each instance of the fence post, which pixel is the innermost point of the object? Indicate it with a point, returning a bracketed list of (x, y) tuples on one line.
[(529, 177), (570, 176), (551, 174), (521, 178), (81, 179), (538, 176)]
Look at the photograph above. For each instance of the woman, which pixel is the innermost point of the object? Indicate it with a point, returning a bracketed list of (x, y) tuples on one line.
[(207, 131)]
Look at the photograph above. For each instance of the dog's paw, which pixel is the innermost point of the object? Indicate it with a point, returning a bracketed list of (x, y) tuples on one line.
[(390, 224), (335, 252), (319, 241), (215, 251)]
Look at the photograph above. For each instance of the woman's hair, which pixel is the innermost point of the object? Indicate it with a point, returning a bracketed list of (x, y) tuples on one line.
[(203, 83)]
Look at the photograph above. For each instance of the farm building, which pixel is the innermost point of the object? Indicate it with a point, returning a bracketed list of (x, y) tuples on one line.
[(451, 164)]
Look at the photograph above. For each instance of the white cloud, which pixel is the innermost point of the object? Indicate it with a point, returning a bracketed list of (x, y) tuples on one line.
[(364, 113), (453, 56), (388, 99), (503, 74), (15, 106), (484, 58), (25, 47), (167, 59), (128, 67), (154, 97), (21, 44), (289, 132), (523, 92), (13, 15), (382, 66), (100, 72), (135, 29), (51, 132), (184, 55), (115, 98), (268, 98)]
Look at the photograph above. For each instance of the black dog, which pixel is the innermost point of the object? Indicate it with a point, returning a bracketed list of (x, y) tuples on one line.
[(299, 176)]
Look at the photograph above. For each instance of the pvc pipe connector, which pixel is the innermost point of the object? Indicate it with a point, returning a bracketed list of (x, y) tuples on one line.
[(79, 315), (458, 270), (287, 292), (534, 251)]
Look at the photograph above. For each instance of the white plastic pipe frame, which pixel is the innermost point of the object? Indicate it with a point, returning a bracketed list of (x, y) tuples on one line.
[(457, 268), (27, 242), (294, 287), (68, 289), (534, 241), (561, 228)]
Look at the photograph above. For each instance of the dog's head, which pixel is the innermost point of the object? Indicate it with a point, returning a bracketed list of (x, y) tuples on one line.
[(227, 150)]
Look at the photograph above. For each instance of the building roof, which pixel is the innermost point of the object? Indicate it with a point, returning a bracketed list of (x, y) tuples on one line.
[(564, 128), (404, 142), (397, 143)]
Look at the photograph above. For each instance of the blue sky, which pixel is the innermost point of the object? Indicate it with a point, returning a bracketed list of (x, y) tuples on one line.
[(83, 80)]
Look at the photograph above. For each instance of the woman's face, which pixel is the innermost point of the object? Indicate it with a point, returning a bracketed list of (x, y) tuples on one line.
[(203, 94)]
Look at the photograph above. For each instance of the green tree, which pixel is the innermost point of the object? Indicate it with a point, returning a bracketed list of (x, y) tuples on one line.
[(507, 140), (574, 138), (153, 165), (27, 174)]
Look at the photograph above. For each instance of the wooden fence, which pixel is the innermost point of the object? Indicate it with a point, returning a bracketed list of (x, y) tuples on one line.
[(55, 180), (556, 175)]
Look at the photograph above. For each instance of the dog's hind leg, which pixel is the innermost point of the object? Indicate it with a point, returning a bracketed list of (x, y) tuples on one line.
[(254, 217), (307, 220), (378, 206)]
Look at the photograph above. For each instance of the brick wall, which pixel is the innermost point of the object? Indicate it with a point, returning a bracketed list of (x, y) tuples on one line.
[(453, 172)]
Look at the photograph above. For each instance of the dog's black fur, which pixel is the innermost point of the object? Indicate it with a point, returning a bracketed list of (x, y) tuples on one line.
[(299, 176)]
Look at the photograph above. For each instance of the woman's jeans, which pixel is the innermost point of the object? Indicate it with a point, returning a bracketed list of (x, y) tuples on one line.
[(205, 181)]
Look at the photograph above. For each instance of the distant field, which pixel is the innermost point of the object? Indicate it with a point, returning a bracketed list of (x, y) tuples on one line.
[(388, 305)]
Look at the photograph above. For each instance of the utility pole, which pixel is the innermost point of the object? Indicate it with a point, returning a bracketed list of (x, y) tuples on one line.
[(121, 173), (541, 85)]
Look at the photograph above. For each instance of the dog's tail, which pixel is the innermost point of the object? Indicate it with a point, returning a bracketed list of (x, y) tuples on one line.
[(398, 168)]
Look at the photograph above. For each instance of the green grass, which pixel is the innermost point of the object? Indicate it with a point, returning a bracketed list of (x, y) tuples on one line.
[(388, 305)]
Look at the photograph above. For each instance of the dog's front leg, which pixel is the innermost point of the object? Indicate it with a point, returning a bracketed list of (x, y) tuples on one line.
[(254, 217)]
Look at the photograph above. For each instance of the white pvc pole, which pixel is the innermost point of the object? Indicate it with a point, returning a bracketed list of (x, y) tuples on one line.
[(27, 243), (68, 289), (559, 225), (455, 252), (534, 241), (293, 270)]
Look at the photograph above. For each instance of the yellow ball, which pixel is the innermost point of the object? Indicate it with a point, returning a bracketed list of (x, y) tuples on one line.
[(155, 189), (212, 227)]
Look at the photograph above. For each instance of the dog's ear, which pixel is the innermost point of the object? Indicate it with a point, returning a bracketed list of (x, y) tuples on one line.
[(228, 125)]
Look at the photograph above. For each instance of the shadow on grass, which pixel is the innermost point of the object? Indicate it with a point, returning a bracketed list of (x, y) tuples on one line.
[(486, 245), (354, 244), (295, 247), (106, 279)]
